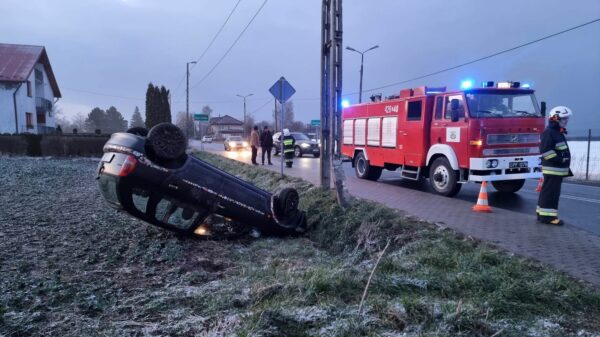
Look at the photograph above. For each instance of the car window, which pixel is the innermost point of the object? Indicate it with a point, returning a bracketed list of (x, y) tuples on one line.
[(300, 136), (174, 215), (237, 138)]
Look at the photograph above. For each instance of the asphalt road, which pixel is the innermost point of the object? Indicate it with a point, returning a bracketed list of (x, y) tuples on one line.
[(579, 204)]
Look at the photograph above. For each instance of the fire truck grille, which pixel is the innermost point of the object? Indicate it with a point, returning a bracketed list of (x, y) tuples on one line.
[(513, 138), (513, 151)]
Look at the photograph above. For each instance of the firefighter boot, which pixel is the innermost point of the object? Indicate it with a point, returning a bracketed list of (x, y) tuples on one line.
[(555, 222)]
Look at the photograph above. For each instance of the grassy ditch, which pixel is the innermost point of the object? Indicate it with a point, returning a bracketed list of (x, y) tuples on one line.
[(430, 281), (71, 266)]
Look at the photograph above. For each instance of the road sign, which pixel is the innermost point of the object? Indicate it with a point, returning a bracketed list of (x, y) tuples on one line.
[(282, 90), (201, 117), (315, 122)]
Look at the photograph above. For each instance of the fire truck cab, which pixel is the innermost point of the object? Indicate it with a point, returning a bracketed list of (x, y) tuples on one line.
[(490, 133)]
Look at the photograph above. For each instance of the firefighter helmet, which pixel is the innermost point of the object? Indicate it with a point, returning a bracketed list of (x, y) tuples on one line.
[(286, 132), (560, 112)]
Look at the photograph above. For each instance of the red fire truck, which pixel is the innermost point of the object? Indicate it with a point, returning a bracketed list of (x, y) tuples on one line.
[(490, 133)]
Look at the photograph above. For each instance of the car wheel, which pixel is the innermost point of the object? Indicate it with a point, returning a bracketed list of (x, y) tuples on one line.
[(316, 155), (365, 171), (285, 207), (443, 178), (138, 130), (297, 151), (167, 142), (508, 186)]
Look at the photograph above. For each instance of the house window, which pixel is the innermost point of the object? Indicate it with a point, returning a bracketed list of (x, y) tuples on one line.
[(29, 93), (29, 120), (41, 118)]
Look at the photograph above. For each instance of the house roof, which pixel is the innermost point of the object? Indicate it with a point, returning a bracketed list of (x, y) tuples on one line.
[(225, 120), (18, 61)]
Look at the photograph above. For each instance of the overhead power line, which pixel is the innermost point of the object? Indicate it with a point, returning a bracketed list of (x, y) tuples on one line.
[(211, 42), (479, 59), (232, 45), (262, 106)]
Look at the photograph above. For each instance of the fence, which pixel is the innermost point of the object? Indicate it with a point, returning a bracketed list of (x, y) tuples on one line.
[(585, 156), (52, 145)]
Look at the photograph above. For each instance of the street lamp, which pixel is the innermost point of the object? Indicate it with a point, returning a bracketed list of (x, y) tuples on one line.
[(362, 57), (244, 97), (187, 97)]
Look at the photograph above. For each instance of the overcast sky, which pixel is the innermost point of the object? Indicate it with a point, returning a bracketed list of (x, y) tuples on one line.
[(115, 47)]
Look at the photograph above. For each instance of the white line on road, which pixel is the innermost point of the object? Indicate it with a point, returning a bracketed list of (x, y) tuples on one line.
[(567, 196)]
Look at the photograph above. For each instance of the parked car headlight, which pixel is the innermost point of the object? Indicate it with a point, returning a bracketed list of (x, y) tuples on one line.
[(305, 145), (245, 144), (232, 144)]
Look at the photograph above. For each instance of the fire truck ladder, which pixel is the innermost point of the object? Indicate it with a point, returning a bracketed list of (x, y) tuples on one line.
[(411, 172)]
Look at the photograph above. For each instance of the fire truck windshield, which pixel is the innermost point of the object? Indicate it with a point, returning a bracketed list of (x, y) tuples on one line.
[(502, 105)]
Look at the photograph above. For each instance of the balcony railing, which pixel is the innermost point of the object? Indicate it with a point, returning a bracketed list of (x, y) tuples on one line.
[(43, 105)]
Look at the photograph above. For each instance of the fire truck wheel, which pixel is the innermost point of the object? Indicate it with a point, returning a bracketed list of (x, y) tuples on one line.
[(167, 142), (508, 186), (443, 178), (364, 170)]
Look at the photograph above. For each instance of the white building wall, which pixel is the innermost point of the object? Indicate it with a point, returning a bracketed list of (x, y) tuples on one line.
[(7, 113), (25, 104)]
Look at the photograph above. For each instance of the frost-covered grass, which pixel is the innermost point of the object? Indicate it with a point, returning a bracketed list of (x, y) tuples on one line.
[(70, 266)]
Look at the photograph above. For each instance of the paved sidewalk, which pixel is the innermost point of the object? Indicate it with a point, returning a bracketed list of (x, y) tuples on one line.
[(565, 248)]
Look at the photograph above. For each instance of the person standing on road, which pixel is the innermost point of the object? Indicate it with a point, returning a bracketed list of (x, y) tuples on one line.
[(288, 147), (266, 144), (254, 143), (556, 160)]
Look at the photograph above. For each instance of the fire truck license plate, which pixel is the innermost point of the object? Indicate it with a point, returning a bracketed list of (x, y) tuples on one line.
[(517, 164)]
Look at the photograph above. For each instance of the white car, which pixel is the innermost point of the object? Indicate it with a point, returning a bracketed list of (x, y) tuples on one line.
[(206, 139)]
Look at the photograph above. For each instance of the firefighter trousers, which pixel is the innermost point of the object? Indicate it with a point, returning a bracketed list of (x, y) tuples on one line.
[(547, 209)]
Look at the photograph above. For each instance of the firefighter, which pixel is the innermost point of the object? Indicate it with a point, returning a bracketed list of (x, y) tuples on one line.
[(288, 147), (556, 159)]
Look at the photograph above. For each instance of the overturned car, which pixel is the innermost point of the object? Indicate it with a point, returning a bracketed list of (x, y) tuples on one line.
[(150, 176)]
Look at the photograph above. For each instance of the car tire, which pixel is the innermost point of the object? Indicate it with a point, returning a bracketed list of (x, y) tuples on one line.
[(138, 130), (443, 179), (166, 142), (508, 186), (316, 155), (285, 207), (297, 151), (364, 170)]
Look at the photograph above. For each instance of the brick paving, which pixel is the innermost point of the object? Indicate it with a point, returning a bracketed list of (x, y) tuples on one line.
[(568, 249)]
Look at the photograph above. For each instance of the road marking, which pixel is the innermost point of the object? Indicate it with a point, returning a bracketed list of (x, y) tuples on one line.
[(567, 196), (580, 198)]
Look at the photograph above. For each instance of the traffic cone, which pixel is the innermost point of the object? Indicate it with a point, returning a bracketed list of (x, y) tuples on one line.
[(482, 200), (539, 186)]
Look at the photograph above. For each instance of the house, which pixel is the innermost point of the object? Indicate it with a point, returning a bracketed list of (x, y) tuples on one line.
[(28, 90), (223, 127)]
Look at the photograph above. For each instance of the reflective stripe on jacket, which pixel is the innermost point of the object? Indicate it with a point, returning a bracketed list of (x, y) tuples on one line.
[(556, 157), (288, 144)]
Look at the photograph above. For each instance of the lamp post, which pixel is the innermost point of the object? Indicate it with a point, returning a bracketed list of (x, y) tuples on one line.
[(362, 57), (187, 97), (244, 97)]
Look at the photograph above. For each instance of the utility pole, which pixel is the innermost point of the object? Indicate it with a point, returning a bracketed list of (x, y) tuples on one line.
[(331, 97), (362, 58), (187, 97), (244, 97)]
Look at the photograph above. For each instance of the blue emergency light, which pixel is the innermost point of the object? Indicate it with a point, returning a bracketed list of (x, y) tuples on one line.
[(466, 84), (345, 103)]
